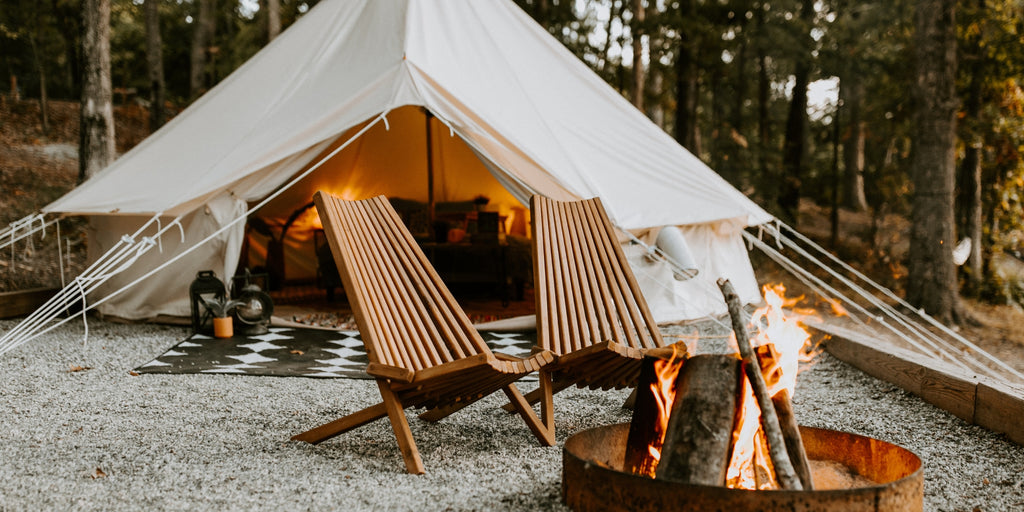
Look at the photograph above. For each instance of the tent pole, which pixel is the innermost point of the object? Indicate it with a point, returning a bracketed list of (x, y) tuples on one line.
[(430, 170)]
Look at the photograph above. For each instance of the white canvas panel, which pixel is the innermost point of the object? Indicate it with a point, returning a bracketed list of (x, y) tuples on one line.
[(166, 292), (719, 252)]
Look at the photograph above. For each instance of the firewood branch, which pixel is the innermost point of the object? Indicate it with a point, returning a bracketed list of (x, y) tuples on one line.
[(784, 471)]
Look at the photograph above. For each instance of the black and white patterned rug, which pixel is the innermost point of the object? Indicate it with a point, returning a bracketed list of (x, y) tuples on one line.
[(295, 352)]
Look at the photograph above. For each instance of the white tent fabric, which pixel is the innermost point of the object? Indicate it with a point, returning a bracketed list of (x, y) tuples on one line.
[(536, 117)]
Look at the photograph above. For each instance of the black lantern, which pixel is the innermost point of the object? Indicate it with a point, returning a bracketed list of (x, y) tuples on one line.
[(254, 308), (206, 284)]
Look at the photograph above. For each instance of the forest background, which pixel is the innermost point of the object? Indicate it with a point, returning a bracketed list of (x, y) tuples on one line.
[(729, 79)]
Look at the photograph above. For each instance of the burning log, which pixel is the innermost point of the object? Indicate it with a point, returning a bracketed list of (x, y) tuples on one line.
[(698, 440), (791, 435), (784, 471), (648, 424)]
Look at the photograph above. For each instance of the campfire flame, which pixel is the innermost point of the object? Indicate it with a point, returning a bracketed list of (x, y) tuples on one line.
[(784, 337), (782, 343), (664, 392)]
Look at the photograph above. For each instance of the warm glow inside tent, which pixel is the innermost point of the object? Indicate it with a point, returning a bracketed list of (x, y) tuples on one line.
[(393, 161)]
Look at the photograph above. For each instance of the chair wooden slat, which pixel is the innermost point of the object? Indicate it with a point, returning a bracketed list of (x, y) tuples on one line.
[(586, 305), (446, 311), (571, 279), (642, 316), (599, 292), (607, 244), (416, 332), (543, 283), (423, 350), (392, 320)]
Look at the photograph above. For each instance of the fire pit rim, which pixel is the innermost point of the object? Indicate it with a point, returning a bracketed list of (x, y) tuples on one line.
[(913, 479)]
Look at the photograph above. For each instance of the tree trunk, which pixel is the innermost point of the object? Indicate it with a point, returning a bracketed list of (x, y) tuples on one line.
[(793, 148), (969, 201), (656, 110), (686, 87), (852, 92), (155, 63), (273, 19), (44, 118), (931, 280), (970, 189), (605, 51), (70, 30), (96, 148), (540, 13), (201, 38), (767, 171), (636, 33)]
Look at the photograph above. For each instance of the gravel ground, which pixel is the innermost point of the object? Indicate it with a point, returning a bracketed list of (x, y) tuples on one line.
[(102, 439)]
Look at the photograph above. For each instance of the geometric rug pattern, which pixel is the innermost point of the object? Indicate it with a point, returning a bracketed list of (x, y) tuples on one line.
[(296, 352)]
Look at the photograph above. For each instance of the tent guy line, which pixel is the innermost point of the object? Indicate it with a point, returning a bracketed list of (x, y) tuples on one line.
[(28, 328), (829, 291), (917, 332), (885, 307)]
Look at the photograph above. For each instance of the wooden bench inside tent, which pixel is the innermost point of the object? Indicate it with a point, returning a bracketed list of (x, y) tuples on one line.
[(590, 311), (422, 348)]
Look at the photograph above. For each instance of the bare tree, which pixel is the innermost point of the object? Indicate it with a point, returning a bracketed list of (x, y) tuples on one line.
[(273, 19), (969, 200), (202, 36), (687, 83), (852, 92), (637, 34), (33, 39), (931, 280), (794, 146), (155, 63), (96, 148)]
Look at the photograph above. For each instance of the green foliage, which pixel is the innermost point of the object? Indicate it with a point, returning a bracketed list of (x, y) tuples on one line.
[(40, 36)]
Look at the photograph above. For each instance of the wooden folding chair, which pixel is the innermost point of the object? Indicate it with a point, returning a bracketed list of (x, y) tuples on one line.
[(590, 311), (423, 350)]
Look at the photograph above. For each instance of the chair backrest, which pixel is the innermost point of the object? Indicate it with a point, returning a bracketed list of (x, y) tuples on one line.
[(585, 290), (406, 315)]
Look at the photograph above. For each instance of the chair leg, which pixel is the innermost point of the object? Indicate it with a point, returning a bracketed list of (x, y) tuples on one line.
[(547, 404), (440, 413), (535, 396), (542, 430), (399, 423), (630, 402), (342, 425)]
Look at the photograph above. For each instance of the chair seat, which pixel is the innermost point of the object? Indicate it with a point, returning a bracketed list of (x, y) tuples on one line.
[(605, 365), (466, 380)]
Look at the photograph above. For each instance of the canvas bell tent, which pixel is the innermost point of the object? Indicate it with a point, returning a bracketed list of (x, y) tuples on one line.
[(340, 101)]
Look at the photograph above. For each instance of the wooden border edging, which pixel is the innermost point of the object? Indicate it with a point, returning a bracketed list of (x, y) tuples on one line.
[(975, 399), (23, 302)]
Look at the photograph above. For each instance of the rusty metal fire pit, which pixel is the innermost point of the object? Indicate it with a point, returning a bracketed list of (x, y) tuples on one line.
[(593, 480)]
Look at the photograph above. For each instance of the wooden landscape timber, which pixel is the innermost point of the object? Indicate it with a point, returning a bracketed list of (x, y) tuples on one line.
[(23, 302), (975, 399)]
